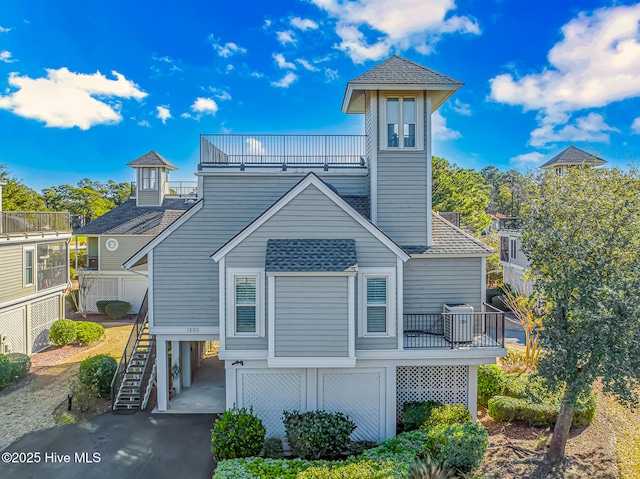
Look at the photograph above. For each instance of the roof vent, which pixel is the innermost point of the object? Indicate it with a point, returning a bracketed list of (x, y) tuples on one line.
[(189, 201)]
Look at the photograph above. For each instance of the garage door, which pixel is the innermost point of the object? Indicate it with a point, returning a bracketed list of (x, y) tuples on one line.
[(358, 393)]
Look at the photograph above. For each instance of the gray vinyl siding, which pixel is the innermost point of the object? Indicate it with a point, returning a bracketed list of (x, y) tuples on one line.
[(127, 247), (11, 273), (311, 317), (430, 283)]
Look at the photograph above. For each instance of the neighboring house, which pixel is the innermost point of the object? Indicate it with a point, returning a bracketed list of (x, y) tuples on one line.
[(495, 221), (514, 261), (113, 237), (318, 264), (34, 272)]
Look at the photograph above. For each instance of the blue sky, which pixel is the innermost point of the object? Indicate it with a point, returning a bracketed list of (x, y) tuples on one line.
[(87, 86)]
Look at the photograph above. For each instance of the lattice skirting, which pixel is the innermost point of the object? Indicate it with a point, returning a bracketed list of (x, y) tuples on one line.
[(12, 327), (101, 289), (447, 384), (43, 315)]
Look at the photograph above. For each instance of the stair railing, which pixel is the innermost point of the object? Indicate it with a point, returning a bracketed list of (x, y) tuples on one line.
[(147, 372)]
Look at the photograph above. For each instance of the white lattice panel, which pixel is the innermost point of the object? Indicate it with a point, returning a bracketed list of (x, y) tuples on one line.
[(270, 393), (43, 315), (102, 289), (12, 325), (357, 394), (447, 384)]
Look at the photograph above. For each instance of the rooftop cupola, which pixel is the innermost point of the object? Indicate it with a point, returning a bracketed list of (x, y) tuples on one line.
[(571, 157), (397, 98), (152, 178)]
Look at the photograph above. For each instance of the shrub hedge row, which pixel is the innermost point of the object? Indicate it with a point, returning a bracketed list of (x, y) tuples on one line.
[(13, 367), (66, 331), (113, 308)]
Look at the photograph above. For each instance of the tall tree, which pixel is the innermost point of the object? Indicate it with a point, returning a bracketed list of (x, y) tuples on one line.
[(461, 190), (77, 200), (581, 232), (507, 190), (16, 196)]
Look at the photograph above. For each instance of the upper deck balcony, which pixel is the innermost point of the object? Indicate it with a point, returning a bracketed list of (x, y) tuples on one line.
[(282, 151), (28, 223)]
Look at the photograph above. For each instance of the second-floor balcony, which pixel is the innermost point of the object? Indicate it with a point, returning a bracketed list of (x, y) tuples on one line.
[(14, 223), (282, 151)]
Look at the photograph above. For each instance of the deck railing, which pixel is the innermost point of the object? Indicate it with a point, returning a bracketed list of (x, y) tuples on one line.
[(27, 222), (326, 151), (174, 188), (455, 330)]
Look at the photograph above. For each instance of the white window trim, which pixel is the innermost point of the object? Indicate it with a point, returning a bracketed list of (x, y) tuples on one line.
[(34, 262), (513, 246), (384, 145), (231, 302), (390, 273), (142, 171)]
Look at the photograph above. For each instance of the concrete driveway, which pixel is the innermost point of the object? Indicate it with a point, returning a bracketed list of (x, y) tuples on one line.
[(126, 446)]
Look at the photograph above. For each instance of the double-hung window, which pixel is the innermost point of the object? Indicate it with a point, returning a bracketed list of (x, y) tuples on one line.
[(401, 122), (514, 248), (149, 179), (245, 303), (28, 266), (377, 302)]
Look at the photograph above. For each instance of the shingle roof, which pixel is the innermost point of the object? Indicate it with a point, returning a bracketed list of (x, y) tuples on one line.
[(447, 239), (402, 71), (358, 203), (574, 156), (151, 159), (129, 219), (311, 255)]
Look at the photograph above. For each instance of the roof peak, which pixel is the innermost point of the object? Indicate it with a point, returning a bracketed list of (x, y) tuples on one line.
[(574, 156), (400, 70), (151, 158)]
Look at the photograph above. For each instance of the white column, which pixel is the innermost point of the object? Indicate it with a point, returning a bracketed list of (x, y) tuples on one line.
[(163, 374), (185, 369), (175, 361), (472, 392), (231, 386), (427, 147), (390, 400)]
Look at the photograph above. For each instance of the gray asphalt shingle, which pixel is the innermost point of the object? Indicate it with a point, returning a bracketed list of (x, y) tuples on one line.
[(151, 158), (574, 156), (402, 71), (318, 255)]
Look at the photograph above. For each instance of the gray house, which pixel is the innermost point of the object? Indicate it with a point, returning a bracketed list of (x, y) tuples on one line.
[(319, 266), (34, 272)]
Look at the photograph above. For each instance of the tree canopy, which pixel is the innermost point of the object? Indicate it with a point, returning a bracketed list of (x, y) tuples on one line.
[(581, 232), (508, 190), (16, 196)]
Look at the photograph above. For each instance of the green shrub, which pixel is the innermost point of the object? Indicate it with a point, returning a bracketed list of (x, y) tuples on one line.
[(5, 371), (20, 365), (117, 309), (273, 448), (402, 449), (503, 408), (363, 469), (428, 469), (316, 434), (491, 382), (63, 332), (83, 394), (98, 371), (88, 332), (458, 446), (447, 414), (259, 468), (102, 304), (237, 433), (356, 448), (414, 414), (516, 385)]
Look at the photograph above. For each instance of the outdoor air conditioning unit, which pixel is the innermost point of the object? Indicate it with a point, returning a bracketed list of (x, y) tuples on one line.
[(458, 326), (4, 345)]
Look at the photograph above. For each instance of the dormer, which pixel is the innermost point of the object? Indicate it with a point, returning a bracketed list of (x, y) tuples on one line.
[(397, 98), (570, 158), (152, 178)]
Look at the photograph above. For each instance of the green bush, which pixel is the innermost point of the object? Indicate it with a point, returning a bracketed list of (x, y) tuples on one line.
[(414, 414), (491, 382), (63, 332), (237, 433), (117, 309), (447, 415), (273, 448), (363, 469), (316, 434), (88, 332), (5, 371), (102, 304), (356, 448), (503, 408), (516, 385), (20, 365), (84, 395), (428, 469), (259, 468), (458, 446), (98, 371)]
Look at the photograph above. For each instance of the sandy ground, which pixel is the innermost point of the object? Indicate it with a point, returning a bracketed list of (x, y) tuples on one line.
[(29, 405)]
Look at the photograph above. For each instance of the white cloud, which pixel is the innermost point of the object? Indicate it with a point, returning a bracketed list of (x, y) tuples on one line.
[(331, 74), (596, 63), (254, 147), (5, 56), (306, 65), (282, 63), (526, 160), (223, 95), (461, 108), (403, 24), (439, 129), (286, 37), (205, 106), (163, 113), (257, 75), (286, 81), (591, 128), (144, 123), (635, 127), (228, 49), (65, 99), (164, 66), (303, 24), (4, 30)]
